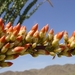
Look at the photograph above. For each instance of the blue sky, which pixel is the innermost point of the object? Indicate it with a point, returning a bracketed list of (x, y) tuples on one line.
[(60, 17)]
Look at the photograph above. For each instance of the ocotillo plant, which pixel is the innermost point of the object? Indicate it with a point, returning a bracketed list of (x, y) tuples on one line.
[(11, 9), (15, 41)]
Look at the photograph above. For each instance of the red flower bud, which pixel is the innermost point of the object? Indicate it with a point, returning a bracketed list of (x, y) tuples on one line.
[(51, 34), (1, 21), (19, 38), (2, 39), (7, 45), (59, 35), (46, 28), (5, 48), (6, 64), (15, 56), (8, 25), (9, 64), (10, 30), (1, 24), (42, 30), (35, 27), (22, 28), (22, 31), (51, 31), (18, 49), (65, 33), (27, 45), (31, 32), (36, 34), (17, 27), (42, 33), (73, 34), (15, 33), (65, 37)]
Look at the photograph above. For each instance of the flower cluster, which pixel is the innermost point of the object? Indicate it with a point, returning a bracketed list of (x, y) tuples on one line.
[(16, 41)]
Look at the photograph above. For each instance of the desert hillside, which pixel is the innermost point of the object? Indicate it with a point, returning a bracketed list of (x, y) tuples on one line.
[(68, 69)]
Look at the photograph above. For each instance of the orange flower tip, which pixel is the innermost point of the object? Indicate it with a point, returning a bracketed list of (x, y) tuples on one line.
[(2, 39), (51, 31), (46, 28), (16, 56), (68, 45), (36, 34), (73, 34), (27, 45), (60, 35), (43, 30), (19, 38), (18, 49), (7, 45), (1, 21), (23, 28), (18, 26), (2, 26), (9, 63), (8, 25), (15, 32), (10, 29), (46, 52), (14, 27), (31, 32), (35, 27)]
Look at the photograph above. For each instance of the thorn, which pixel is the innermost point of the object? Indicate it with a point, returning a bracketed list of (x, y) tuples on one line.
[(49, 2)]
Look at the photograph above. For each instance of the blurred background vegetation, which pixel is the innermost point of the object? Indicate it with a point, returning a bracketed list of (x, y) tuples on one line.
[(10, 10)]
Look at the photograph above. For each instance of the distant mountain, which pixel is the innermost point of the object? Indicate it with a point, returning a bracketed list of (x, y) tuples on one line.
[(68, 69)]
